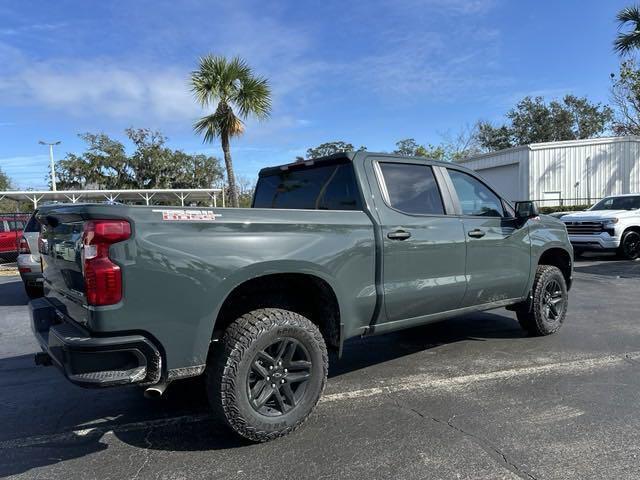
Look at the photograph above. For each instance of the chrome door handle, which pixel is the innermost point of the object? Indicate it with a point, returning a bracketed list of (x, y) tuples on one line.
[(477, 233), (398, 235)]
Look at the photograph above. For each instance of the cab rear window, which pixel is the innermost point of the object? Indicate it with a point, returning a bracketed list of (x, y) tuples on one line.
[(316, 187)]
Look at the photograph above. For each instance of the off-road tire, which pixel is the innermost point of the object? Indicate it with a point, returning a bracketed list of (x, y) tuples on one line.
[(536, 316), (629, 245), (230, 366)]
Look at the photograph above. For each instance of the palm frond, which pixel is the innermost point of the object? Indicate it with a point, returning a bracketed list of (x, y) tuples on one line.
[(230, 83), (628, 14), (253, 97), (222, 120), (625, 42)]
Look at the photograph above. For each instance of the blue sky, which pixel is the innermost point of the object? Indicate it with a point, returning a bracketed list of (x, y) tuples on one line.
[(368, 72)]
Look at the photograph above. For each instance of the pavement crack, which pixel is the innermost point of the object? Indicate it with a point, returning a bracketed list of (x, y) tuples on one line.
[(492, 450), (147, 453)]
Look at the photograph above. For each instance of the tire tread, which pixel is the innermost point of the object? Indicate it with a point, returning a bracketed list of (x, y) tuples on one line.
[(225, 359)]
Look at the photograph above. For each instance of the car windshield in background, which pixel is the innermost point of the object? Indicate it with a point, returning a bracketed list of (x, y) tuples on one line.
[(318, 187), (618, 203)]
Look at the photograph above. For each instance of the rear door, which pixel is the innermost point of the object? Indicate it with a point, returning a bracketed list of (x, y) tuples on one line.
[(498, 248), (423, 247)]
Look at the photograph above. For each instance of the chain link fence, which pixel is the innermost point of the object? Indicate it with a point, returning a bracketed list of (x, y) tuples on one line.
[(11, 227)]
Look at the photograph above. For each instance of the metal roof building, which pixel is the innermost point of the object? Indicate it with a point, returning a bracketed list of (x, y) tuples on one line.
[(571, 172)]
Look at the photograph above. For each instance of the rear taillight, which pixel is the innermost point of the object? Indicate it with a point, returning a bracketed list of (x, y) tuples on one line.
[(23, 245), (102, 277)]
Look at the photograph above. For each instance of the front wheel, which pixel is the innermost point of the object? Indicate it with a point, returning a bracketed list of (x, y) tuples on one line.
[(268, 374), (630, 245), (545, 312)]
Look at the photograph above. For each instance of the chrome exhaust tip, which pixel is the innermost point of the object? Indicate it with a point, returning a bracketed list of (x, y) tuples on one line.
[(155, 391)]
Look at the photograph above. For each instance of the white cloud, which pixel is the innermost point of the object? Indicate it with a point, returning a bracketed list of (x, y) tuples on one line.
[(36, 27), (97, 88)]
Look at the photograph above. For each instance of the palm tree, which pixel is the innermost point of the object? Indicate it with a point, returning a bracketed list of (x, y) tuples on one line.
[(626, 42), (233, 86)]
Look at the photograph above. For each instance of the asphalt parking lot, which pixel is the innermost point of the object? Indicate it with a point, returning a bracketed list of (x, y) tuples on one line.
[(468, 398)]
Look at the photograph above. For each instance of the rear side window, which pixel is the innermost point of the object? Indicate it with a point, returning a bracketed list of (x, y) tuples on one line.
[(476, 199), (321, 187), (412, 188)]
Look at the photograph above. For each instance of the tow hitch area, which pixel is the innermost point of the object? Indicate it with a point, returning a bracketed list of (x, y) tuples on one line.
[(91, 361)]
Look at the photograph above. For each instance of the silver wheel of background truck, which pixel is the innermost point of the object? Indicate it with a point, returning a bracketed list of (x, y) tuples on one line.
[(545, 312), (267, 374)]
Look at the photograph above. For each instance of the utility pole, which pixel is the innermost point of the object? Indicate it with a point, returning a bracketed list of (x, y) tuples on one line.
[(53, 170)]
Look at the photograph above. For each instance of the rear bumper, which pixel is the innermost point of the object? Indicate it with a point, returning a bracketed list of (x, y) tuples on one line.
[(29, 269), (91, 361)]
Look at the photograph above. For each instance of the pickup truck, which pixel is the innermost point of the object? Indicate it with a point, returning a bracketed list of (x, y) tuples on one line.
[(611, 225), (348, 245)]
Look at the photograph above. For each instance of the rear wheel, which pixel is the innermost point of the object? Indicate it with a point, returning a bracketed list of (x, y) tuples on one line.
[(266, 377), (630, 245), (545, 312)]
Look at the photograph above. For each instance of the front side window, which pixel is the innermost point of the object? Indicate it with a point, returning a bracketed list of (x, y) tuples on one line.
[(412, 188), (476, 199)]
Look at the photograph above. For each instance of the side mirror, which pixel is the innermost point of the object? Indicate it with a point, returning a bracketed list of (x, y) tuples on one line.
[(526, 210)]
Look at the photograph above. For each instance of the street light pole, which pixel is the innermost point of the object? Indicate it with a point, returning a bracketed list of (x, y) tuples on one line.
[(53, 170)]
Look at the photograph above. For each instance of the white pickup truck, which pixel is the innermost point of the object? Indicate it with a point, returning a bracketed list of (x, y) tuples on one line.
[(612, 224)]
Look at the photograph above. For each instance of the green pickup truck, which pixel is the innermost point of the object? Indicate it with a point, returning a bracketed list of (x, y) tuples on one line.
[(353, 244)]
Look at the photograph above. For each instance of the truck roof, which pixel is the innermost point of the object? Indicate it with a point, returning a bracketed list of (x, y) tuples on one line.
[(350, 156)]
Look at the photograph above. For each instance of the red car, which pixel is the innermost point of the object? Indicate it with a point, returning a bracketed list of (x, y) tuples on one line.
[(10, 230)]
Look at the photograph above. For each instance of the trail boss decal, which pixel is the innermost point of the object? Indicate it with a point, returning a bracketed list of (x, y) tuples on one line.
[(188, 215)]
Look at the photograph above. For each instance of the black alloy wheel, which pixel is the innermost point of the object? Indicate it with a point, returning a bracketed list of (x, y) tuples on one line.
[(553, 300), (278, 377), (630, 245)]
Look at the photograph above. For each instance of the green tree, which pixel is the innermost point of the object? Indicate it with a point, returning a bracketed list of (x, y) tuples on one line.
[(329, 148), (5, 182), (629, 40), (533, 120), (106, 165), (410, 148), (228, 84), (625, 95)]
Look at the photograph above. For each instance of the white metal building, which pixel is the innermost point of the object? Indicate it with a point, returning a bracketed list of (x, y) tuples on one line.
[(571, 172)]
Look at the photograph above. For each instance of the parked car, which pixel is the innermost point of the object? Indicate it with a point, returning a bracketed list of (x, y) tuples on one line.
[(345, 246), (29, 258), (10, 230), (611, 225)]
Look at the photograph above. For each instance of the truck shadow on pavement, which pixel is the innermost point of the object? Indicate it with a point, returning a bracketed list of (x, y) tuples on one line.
[(12, 293), (49, 420)]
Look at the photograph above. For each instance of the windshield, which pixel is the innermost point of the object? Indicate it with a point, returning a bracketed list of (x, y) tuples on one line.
[(618, 203)]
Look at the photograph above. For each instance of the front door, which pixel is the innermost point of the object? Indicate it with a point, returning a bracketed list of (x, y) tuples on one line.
[(423, 247), (498, 248)]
